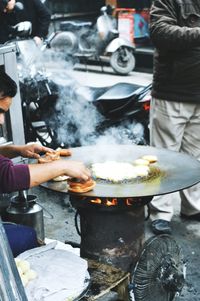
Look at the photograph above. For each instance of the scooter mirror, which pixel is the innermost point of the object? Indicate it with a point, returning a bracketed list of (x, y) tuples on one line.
[(103, 9), (23, 29)]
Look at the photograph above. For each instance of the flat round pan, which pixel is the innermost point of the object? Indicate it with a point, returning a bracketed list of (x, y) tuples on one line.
[(177, 171)]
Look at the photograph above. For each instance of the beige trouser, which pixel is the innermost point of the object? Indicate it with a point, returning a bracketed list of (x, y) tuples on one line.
[(176, 126)]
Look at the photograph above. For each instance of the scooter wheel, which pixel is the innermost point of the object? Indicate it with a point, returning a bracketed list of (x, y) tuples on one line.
[(122, 61)]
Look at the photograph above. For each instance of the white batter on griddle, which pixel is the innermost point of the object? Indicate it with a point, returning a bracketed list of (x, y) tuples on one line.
[(118, 171)]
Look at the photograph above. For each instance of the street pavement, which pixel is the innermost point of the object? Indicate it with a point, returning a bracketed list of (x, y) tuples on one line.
[(93, 76)]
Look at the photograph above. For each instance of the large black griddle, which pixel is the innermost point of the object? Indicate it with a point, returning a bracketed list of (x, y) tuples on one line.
[(178, 171)]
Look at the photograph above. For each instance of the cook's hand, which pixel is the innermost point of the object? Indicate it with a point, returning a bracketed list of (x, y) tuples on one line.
[(75, 169), (33, 150)]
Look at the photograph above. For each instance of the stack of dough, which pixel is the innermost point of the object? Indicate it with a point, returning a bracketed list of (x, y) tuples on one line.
[(81, 187), (24, 270)]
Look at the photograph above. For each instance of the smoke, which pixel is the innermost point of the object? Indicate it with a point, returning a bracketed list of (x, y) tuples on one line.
[(73, 117), (77, 121)]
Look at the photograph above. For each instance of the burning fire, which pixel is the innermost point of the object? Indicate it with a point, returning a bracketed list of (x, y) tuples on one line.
[(111, 202)]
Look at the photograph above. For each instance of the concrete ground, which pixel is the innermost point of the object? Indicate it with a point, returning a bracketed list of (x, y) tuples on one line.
[(62, 227)]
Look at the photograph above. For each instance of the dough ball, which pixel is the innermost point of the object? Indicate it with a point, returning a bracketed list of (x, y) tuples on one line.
[(24, 265), (142, 170), (31, 275), (141, 162), (17, 261), (150, 158), (24, 280), (20, 271)]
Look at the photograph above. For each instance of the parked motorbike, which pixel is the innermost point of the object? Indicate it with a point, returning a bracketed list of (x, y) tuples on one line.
[(58, 111), (80, 115), (99, 41)]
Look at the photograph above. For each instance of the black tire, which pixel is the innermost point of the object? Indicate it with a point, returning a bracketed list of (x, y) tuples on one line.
[(122, 61)]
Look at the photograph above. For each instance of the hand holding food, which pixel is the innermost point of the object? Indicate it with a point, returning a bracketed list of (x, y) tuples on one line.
[(32, 150), (54, 155)]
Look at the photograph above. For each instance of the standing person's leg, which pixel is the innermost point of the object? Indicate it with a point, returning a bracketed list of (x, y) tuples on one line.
[(166, 131), (190, 198)]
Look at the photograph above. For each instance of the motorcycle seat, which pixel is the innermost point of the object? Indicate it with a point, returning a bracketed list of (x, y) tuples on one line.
[(74, 25), (121, 91)]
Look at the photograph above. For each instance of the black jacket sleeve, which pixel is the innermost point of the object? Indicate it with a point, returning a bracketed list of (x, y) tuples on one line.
[(170, 28), (43, 19)]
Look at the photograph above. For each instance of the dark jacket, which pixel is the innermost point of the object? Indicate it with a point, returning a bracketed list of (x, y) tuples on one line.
[(34, 11), (175, 32)]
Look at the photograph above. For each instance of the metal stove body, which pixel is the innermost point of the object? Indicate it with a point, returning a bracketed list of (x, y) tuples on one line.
[(111, 230)]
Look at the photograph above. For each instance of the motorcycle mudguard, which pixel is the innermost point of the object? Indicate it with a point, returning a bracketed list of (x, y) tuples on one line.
[(117, 43)]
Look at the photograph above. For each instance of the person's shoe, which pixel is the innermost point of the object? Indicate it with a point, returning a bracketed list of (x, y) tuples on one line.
[(161, 226), (194, 217)]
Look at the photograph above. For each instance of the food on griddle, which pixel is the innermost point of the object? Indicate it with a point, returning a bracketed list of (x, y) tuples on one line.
[(150, 158), (141, 162), (142, 170), (64, 152), (81, 187), (118, 171), (49, 157), (52, 156)]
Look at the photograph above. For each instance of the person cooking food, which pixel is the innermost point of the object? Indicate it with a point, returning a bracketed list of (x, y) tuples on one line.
[(24, 176)]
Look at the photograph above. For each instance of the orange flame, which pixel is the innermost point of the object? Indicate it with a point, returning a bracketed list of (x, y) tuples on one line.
[(129, 202), (111, 202), (96, 201)]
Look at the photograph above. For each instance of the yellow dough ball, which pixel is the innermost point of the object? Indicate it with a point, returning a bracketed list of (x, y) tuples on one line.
[(150, 158), (31, 275), (24, 280), (141, 162), (17, 261), (24, 265), (20, 271)]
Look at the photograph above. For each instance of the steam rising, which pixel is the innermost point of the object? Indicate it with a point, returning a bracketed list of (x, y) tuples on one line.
[(74, 117)]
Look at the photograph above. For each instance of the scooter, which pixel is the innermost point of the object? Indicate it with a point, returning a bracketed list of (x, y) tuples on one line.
[(100, 41)]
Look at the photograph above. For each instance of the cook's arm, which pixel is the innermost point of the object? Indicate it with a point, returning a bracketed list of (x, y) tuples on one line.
[(23, 176), (40, 173)]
